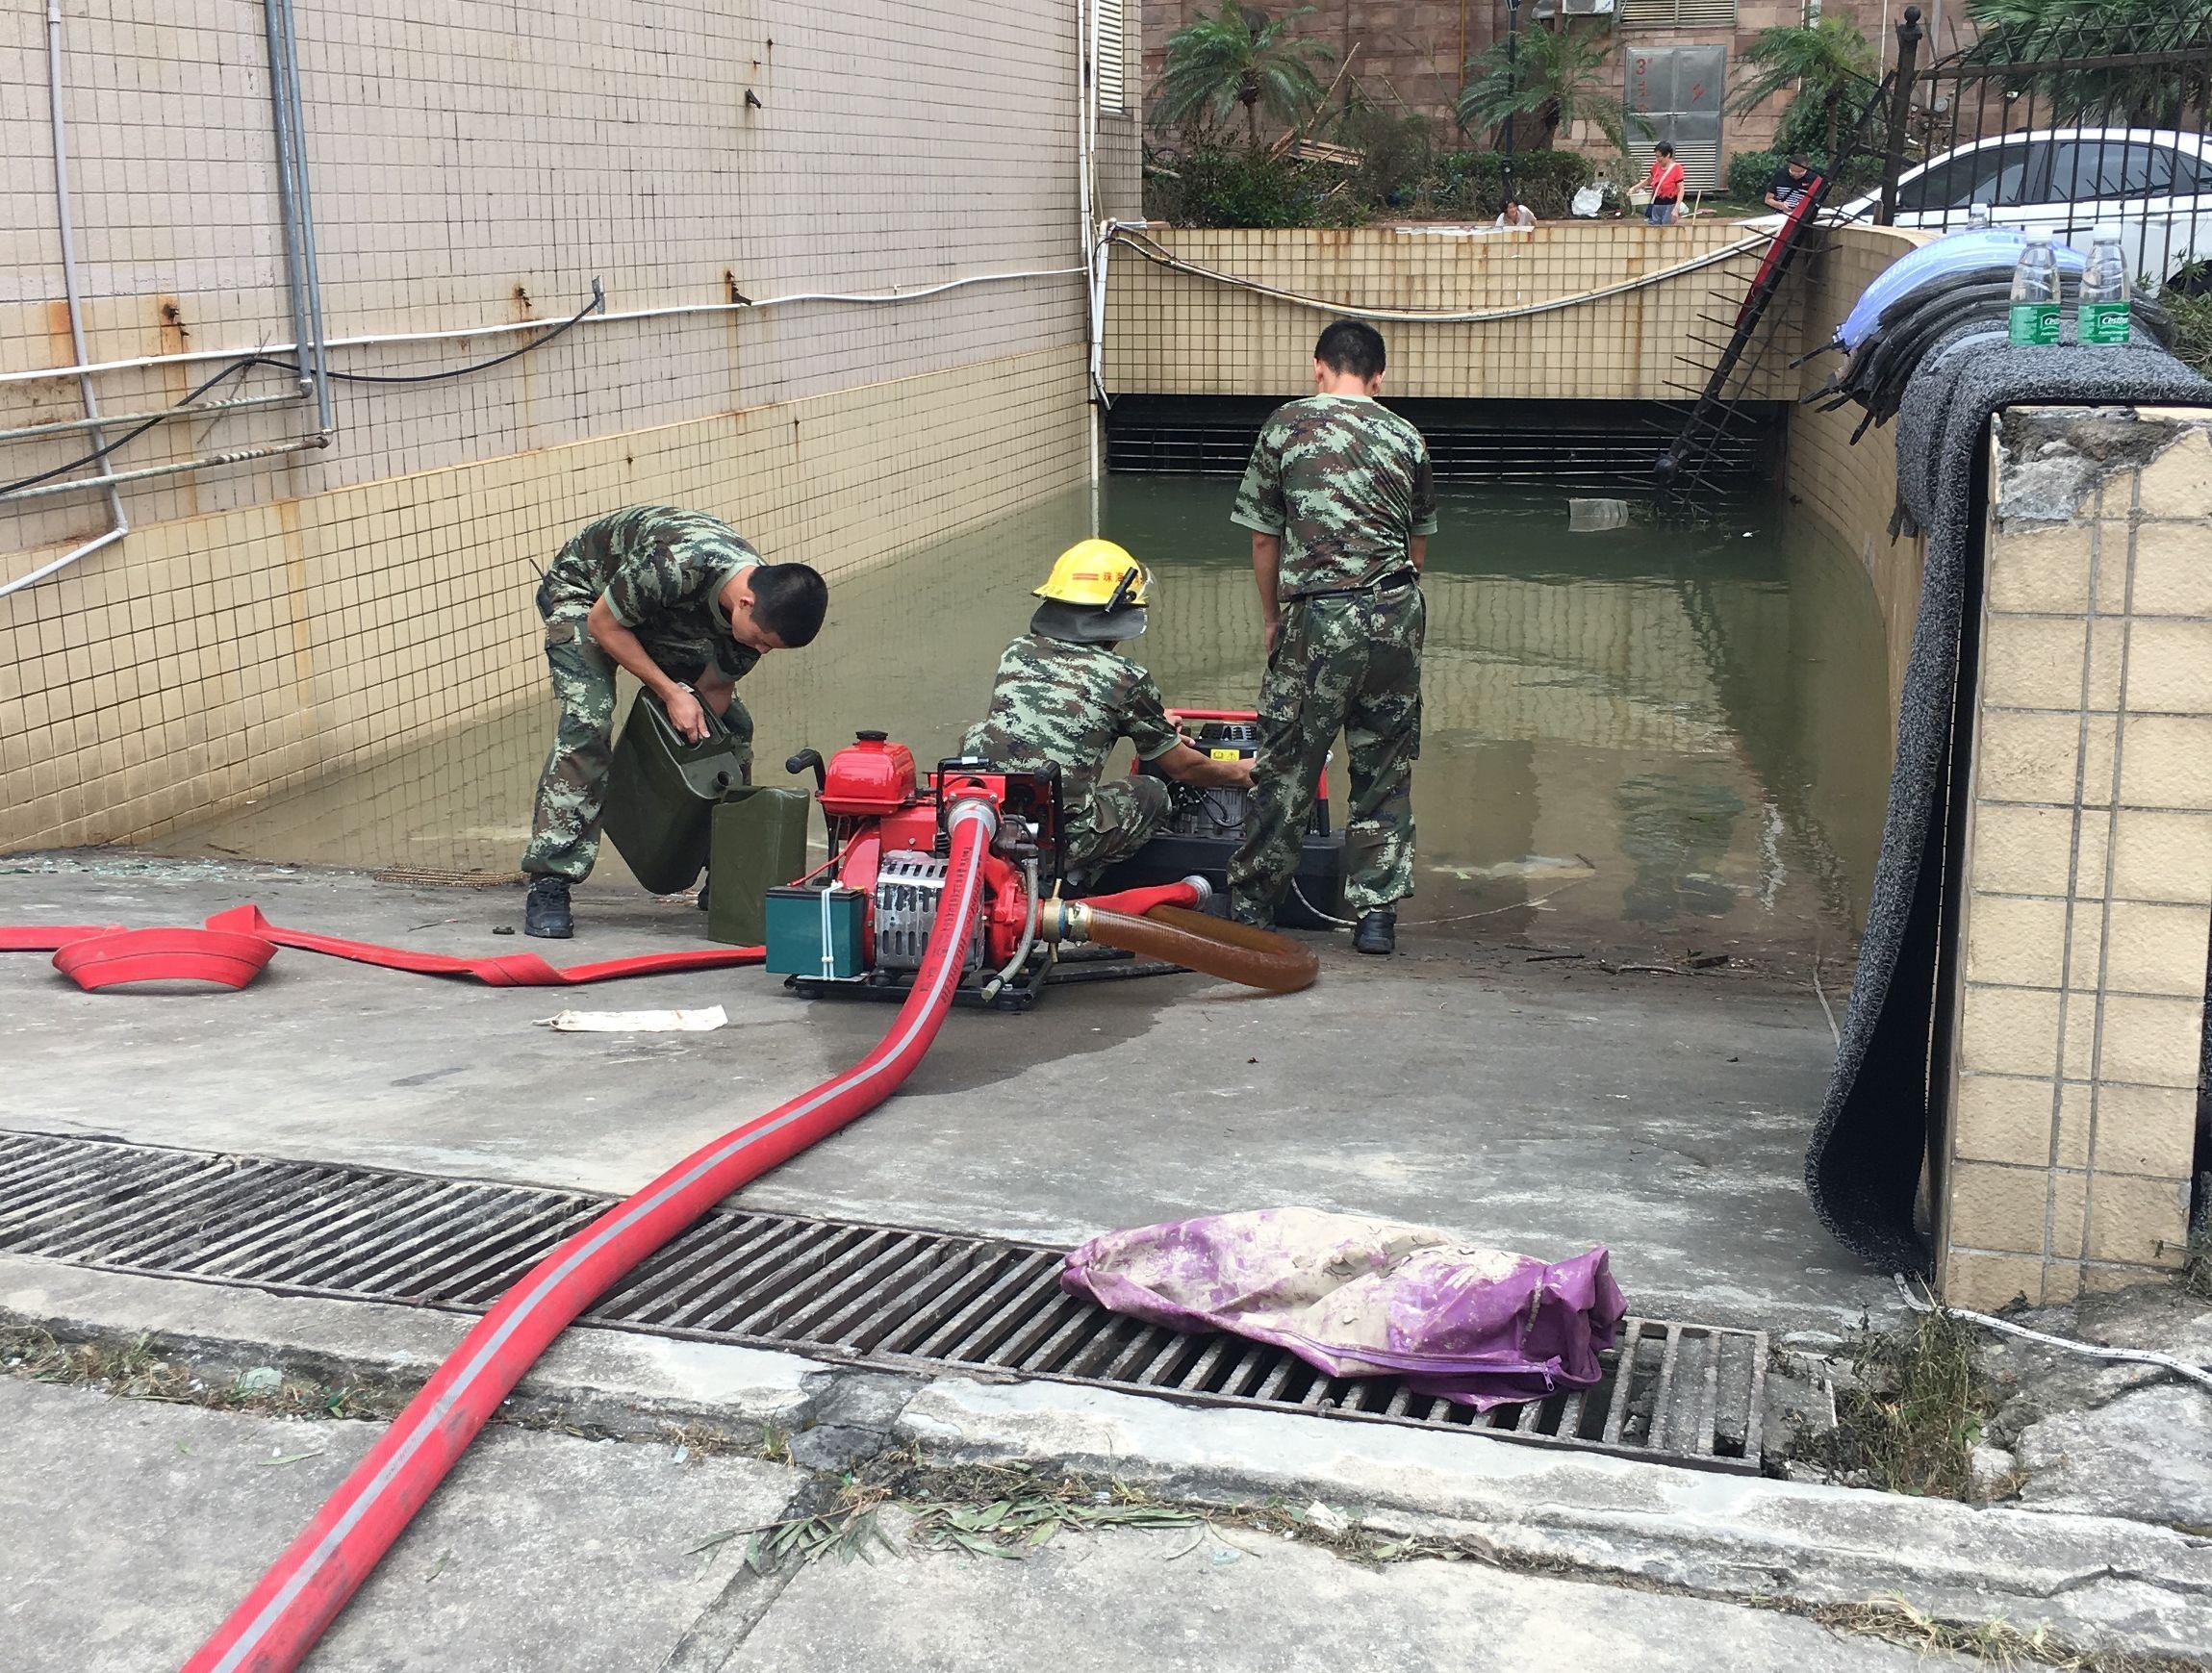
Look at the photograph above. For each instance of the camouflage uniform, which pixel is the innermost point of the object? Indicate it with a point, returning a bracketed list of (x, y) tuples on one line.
[(1345, 483), (662, 572), (1058, 702)]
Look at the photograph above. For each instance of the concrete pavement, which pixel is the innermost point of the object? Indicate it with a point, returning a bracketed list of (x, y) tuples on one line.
[(1526, 1105), (134, 1525)]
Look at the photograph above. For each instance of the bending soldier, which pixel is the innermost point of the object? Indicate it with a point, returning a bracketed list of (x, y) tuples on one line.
[(682, 601), (1340, 499), (1064, 695)]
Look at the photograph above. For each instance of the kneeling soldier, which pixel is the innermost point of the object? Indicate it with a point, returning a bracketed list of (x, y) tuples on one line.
[(1064, 695), (681, 600)]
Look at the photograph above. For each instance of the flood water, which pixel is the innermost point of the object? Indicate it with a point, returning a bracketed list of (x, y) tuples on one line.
[(1645, 739)]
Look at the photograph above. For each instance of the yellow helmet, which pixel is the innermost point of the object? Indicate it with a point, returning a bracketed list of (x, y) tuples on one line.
[(1096, 574)]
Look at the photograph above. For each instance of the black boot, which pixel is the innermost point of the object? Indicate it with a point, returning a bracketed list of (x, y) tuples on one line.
[(546, 909), (1378, 932)]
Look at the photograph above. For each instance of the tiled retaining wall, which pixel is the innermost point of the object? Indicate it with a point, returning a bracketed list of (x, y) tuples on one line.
[(1173, 333), (272, 619), (2087, 887), (1851, 488)]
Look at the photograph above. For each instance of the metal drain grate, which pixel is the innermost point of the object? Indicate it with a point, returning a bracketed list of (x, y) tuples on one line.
[(1688, 1394)]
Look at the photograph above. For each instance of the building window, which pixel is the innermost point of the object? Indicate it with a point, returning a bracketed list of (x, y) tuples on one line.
[(1112, 78), (1675, 92), (1677, 13)]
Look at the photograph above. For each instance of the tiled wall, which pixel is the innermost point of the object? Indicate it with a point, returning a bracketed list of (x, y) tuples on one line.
[(2088, 869), (474, 164), (240, 653), (1852, 487), (1174, 333)]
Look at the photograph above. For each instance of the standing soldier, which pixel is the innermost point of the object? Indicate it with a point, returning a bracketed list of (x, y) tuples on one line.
[(1064, 695), (1340, 500), (681, 600)]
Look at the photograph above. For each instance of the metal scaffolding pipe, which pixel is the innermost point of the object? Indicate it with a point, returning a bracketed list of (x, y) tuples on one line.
[(176, 467), (118, 524), (210, 410), (314, 359)]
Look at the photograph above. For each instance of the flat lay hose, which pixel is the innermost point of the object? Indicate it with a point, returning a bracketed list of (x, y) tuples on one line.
[(296, 1600)]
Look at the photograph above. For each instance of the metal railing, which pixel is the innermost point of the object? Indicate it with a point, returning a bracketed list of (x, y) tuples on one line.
[(2076, 125)]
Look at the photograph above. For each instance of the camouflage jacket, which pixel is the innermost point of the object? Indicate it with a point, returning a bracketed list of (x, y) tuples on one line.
[(1058, 702), (1346, 483), (662, 571)]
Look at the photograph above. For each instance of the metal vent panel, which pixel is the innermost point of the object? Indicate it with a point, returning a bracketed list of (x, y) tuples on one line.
[(1678, 1393), (1676, 14)]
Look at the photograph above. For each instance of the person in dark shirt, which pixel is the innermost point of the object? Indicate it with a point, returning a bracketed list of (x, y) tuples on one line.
[(1790, 182)]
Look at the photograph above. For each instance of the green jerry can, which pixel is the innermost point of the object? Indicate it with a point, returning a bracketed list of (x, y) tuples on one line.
[(661, 793), (758, 843)]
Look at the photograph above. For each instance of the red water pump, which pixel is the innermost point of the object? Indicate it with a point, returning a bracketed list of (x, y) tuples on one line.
[(862, 923)]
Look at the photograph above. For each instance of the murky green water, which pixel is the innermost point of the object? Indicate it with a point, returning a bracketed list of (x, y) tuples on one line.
[(1643, 738)]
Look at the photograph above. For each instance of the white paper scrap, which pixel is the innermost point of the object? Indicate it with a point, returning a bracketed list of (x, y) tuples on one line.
[(636, 1022)]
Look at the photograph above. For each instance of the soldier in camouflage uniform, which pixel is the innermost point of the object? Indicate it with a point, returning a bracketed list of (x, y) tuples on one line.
[(1064, 695), (1340, 500), (685, 603)]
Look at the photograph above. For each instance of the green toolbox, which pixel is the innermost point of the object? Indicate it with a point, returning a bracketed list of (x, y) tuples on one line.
[(814, 933), (661, 793), (758, 842)]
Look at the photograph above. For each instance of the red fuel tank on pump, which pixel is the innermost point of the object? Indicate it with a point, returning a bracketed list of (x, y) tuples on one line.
[(869, 777)]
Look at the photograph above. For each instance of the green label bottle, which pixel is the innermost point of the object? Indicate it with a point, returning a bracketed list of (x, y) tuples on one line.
[(2034, 323), (2102, 322)]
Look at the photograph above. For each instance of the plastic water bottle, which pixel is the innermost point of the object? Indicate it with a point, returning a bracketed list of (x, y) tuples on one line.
[(1977, 218), (2034, 317), (2101, 319)]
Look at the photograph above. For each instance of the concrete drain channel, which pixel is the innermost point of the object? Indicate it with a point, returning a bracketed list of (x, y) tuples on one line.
[(835, 1290)]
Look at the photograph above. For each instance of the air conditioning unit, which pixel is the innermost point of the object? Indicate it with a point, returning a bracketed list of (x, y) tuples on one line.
[(1588, 8)]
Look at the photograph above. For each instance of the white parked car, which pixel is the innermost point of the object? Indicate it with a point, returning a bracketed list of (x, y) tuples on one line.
[(2151, 186)]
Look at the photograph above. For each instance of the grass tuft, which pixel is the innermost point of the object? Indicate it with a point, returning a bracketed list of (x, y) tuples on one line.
[(1918, 1407)]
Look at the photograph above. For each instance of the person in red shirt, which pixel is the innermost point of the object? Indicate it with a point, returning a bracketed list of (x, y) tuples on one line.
[(1665, 183)]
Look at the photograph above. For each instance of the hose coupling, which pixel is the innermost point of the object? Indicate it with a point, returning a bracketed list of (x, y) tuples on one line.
[(1063, 920), (1201, 888)]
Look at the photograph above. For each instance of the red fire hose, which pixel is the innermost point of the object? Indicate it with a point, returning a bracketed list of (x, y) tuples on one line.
[(302, 1592)]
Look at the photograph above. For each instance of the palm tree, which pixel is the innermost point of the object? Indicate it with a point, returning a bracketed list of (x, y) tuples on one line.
[(2041, 37), (1238, 56), (1829, 62), (1559, 76)]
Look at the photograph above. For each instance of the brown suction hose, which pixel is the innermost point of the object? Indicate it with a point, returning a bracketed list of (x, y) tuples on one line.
[(1238, 953)]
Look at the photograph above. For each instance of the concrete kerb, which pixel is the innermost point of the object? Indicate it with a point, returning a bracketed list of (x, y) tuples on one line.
[(2096, 1581)]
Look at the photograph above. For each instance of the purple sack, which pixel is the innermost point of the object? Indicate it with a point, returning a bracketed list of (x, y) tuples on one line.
[(1355, 1297)]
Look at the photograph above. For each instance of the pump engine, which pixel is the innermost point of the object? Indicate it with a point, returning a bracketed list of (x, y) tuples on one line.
[(862, 923)]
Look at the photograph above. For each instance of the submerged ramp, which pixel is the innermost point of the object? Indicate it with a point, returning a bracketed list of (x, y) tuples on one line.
[(1863, 1167)]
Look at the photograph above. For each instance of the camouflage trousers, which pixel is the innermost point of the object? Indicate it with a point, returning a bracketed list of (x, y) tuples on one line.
[(572, 789), (1123, 815), (1352, 662)]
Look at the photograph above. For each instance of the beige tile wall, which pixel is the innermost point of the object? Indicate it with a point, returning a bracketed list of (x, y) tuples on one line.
[(2087, 907), (1852, 487), (476, 163), (240, 653), (1173, 333)]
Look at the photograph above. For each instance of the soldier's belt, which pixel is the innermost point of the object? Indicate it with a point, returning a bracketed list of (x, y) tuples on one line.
[(1395, 578)]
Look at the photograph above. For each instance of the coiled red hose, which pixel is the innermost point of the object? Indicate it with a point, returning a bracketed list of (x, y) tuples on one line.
[(300, 1595)]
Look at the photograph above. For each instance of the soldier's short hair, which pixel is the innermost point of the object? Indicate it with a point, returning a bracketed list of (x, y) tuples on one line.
[(1353, 348), (789, 600)]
